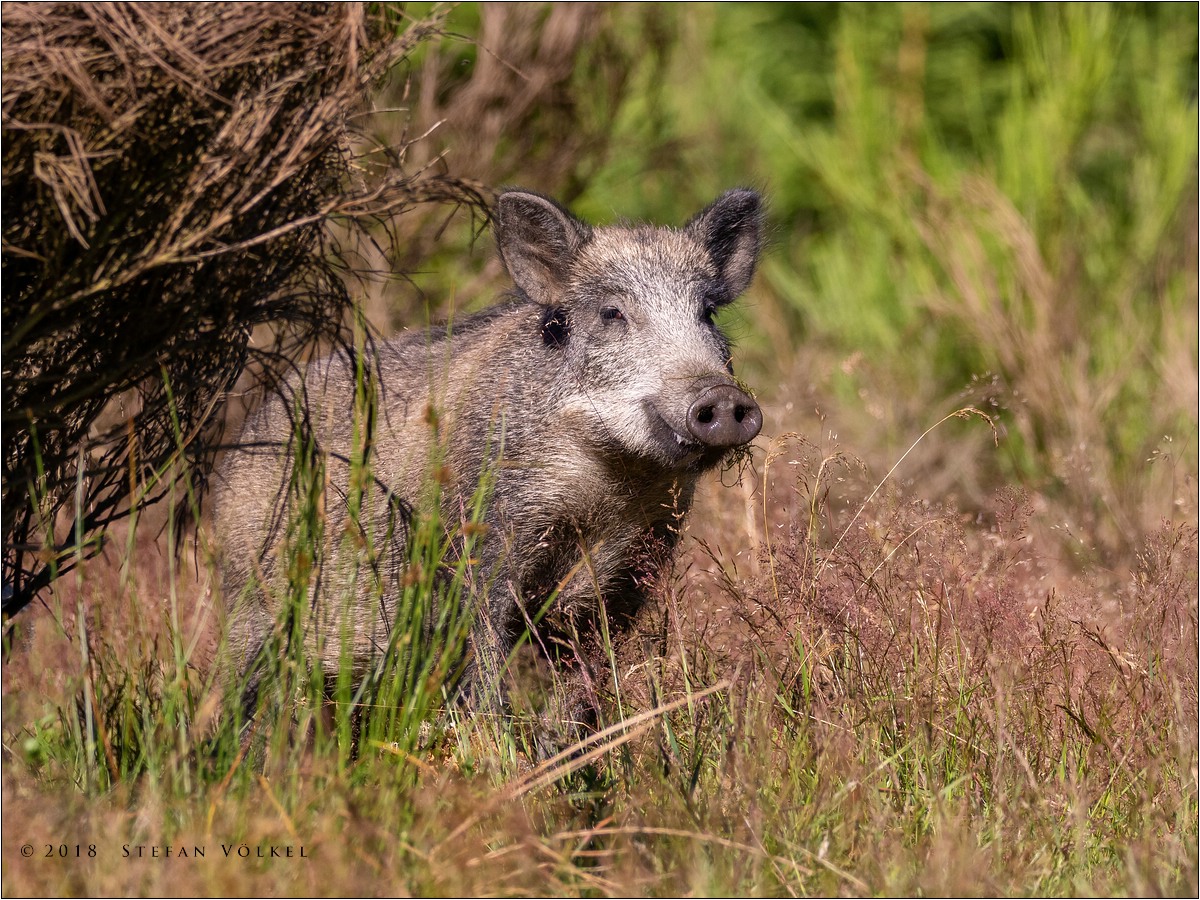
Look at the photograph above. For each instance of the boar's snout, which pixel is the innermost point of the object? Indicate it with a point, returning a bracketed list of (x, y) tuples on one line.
[(724, 416)]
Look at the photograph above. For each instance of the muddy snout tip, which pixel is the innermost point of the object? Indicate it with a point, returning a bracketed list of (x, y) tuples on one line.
[(724, 416)]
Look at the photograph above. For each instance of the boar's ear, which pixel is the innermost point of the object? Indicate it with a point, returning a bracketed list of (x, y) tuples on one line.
[(730, 228), (538, 240)]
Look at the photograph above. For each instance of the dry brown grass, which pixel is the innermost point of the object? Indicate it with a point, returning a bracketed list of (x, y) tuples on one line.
[(915, 701)]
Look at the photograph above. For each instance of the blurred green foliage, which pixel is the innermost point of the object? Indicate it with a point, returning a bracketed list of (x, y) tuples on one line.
[(1004, 193)]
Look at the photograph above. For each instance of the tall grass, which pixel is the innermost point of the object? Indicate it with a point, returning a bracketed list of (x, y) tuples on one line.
[(156, 711), (896, 702)]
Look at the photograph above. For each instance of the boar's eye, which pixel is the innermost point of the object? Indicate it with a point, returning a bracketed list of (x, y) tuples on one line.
[(612, 314), (710, 312)]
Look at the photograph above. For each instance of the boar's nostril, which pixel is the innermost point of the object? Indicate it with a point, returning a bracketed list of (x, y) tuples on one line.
[(724, 416)]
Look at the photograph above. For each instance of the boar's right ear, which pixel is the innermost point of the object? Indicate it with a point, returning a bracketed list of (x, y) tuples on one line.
[(538, 240), (730, 228)]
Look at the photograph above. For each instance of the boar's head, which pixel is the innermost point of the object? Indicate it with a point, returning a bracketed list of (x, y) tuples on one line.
[(629, 313)]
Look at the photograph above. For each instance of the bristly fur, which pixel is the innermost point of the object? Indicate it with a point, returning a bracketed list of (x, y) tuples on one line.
[(585, 395)]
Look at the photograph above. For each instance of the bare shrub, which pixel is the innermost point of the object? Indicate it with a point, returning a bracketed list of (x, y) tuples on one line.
[(170, 173)]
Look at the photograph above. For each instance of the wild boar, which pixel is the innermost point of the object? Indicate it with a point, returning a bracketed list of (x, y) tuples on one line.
[(594, 396)]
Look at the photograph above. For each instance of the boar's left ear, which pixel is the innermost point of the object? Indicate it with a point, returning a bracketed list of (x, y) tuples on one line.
[(538, 240), (730, 228)]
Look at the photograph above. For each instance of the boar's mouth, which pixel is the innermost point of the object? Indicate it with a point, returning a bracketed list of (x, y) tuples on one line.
[(681, 449)]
